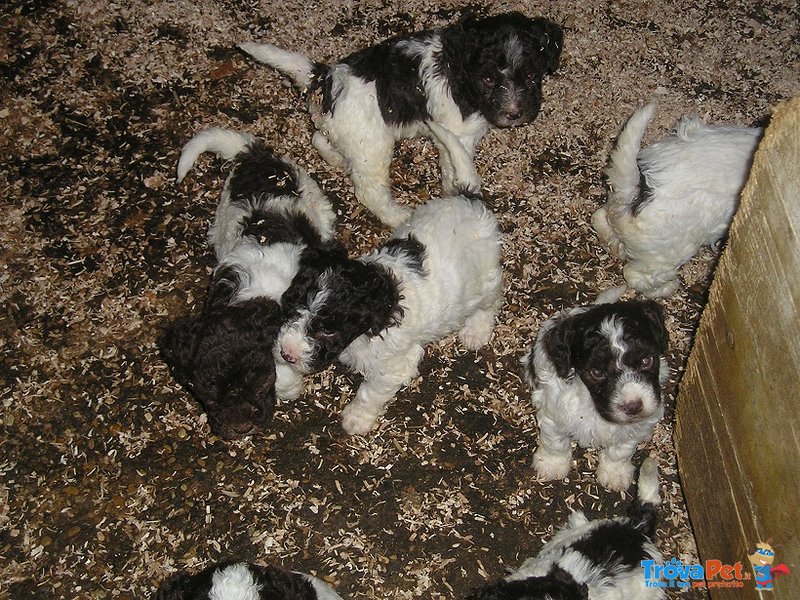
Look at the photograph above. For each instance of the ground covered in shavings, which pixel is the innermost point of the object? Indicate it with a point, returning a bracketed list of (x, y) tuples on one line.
[(109, 476)]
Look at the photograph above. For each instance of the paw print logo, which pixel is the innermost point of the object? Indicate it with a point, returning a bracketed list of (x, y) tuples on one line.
[(762, 560)]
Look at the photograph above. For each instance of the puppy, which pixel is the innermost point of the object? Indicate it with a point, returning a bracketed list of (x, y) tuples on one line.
[(271, 214), (671, 198), (596, 373), (594, 560), (468, 77), (439, 273), (244, 581)]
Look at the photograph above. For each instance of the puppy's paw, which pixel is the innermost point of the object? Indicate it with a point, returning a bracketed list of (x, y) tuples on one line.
[(394, 216), (550, 466), (357, 421), (615, 476), (477, 331)]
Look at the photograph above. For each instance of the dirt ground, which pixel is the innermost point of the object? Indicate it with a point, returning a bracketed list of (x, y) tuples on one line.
[(111, 478)]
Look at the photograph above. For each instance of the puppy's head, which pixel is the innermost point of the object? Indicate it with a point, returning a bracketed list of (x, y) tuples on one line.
[(329, 309), (502, 61), (556, 585), (616, 351), (224, 357)]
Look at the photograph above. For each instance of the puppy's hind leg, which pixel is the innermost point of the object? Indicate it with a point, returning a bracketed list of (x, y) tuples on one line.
[(370, 174), (654, 281), (479, 326), (328, 152)]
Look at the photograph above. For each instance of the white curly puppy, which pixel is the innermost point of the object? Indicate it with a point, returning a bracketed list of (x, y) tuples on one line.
[(438, 274), (671, 198)]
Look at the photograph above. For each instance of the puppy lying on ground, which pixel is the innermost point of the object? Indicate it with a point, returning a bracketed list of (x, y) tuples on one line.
[(594, 560), (671, 198), (244, 581), (439, 273), (596, 373), (468, 77), (270, 215)]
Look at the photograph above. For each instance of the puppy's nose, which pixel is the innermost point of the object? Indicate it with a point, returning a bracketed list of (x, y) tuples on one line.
[(513, 115), (632, 407), (288, 357)]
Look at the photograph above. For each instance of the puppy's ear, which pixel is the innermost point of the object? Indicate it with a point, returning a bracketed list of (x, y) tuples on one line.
[(176, 344), (176, 587), (224, 283), (655, 319), (558, 342), (550, 38)]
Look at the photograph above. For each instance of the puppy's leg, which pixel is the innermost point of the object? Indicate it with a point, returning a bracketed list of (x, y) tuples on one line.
[(478, 328), (288, 382), (331, 155), (553, 457), (654, 281), (378, 389), (615, 470), (370, 174)]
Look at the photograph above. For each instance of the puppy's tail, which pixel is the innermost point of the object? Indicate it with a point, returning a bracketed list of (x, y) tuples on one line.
[(644, 511), (225, 143), (466, 180), (299, 67), (623, 170)]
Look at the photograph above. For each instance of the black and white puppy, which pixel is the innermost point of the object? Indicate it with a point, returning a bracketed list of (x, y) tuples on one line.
[(468, 77), (592, 560), (244, 581), (669, 199), (271, 214), (438, 274), (596, 373)]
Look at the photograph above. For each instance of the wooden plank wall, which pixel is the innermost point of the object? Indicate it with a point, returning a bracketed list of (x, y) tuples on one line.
[(738, 423)]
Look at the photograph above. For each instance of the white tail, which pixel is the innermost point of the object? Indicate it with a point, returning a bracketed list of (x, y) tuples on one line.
[(623, 170), (225, 143), (295, 65)]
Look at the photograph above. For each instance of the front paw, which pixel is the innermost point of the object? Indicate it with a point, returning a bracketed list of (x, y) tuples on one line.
[(615, 476), (550, 466), (357, 421)]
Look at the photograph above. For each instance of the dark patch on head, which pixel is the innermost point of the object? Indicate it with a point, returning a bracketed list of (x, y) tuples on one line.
[(408, 248), (224, 356), (258, 172), (613, 544), (556, 585)]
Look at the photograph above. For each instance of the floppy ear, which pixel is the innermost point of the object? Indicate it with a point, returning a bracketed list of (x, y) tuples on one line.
[(655, 319), (550, 38), (224, 284), (176, 344), (176, 587), (559, 342)]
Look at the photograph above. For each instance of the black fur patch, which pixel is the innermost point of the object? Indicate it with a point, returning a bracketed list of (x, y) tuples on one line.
[(409, 248), (269, 228), (401, 97), (613, 544), (258, 172), (645, 195), (556, 585)]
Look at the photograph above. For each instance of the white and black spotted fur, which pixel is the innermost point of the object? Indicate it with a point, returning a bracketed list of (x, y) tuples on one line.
[(596, 373), (244, 581), (592, 560), (440, 273), (669, 199), (271, 215), (466, 78)]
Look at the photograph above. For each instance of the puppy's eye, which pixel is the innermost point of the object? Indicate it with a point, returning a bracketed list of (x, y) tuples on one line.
[(597, 374), (325, 335), (489, 78), (647, 362)]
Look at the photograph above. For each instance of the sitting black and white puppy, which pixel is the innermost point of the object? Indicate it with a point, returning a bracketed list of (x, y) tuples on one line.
[(271, 215), (592, 560), (244, 581), (438, 274), (468, 77), (669, 199), (596, 373)]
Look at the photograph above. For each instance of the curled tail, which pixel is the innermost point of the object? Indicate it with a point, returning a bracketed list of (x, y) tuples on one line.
[(299, 67), (643, 512), (465, 176), (623, 170), (225, 143)]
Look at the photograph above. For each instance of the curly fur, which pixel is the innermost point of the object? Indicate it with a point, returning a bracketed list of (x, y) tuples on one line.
[(438, 274), (592, 560), (671, 198), (271, 217), (244, 581), (596, 374), (464, 79)]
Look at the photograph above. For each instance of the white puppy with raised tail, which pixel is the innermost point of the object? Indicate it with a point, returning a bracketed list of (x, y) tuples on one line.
[(669, 199)]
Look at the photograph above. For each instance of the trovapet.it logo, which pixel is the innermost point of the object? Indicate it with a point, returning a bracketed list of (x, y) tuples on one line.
[(711, 574)]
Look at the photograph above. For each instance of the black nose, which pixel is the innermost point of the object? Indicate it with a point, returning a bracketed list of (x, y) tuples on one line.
[(513, 116), (288, 357), (633, 407)]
